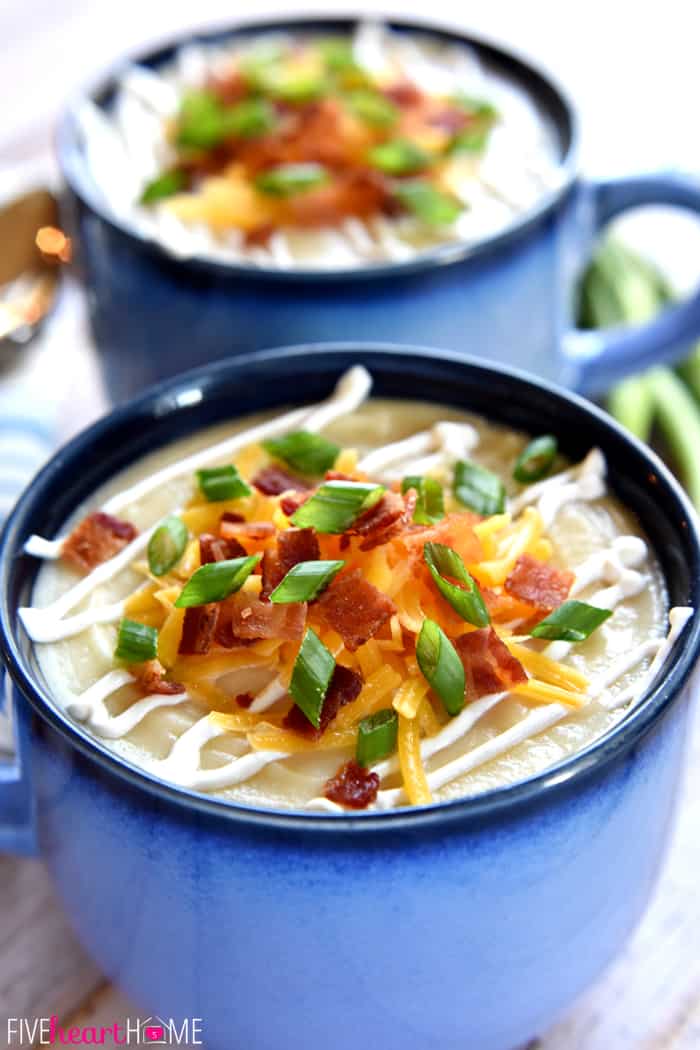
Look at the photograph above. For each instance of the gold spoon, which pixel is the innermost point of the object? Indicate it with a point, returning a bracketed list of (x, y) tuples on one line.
[(33, 250)]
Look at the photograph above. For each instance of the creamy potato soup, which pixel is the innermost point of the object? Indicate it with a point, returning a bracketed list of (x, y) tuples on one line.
[(356, 605), (315, 151)]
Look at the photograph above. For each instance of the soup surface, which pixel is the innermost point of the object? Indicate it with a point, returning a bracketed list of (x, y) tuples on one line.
[(415, 625), (319, 151)]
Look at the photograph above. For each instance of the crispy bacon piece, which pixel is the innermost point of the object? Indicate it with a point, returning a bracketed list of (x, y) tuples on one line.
[(198, 629), (290, 503), (319, 131), (150, 677), (344, 687), (404, 94), (245, 619), (449, 118), (352, 786), (214, 548), (98, 537), (293, 546), (539, 584), (354, 608), (489, 665), (251, 530), (274, 480), (385, 519), (230, 88), (359, 193), (231, 515)]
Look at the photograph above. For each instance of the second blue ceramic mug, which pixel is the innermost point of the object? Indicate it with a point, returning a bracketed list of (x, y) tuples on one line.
[(508, 298)]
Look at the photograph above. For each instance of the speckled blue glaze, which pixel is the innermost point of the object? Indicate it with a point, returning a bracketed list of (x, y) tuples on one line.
[(468, 924), (507, 299)]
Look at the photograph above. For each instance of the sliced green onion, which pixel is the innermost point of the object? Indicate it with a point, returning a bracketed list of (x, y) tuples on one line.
[(441, 666), (572, 622), (164, 185), (466, 600), (469, 140), (253, 116), (336, 504), (399, 157), (337, 53), (535, 461), (479, 489), (200, 122), (477, 107), (167, 545), (221, 483), (136, 642), (427, 203), (311, 675), (430, 506), (373, 108), (303, 451), (216, 581), (305, 581), (288, 179), (376, 736), (294, 87)]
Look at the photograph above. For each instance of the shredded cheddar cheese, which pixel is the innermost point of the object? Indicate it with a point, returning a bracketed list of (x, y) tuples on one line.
[(411, 763), (409, 695)]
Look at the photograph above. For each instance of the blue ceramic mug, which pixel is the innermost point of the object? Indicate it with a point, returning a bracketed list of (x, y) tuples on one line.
[(470, 923), (507, 299)]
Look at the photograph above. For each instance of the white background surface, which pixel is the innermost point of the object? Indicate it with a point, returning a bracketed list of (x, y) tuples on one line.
[(632, 66)]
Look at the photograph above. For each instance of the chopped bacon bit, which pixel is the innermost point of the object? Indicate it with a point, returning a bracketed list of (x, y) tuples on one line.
[(339, 475), (229, 88), (252, 530), (150, 677), (248, 619), (352, 786), (231, 515), (489, 665), (98, 537), (274, 480), (259, 236), (541, 585), (345, 686), (355, 192), (213, 548), (354, 608), (404, 94), (449, 119), (293, 546), (198, 629), (245, 700), (290, 503), (385, 519)]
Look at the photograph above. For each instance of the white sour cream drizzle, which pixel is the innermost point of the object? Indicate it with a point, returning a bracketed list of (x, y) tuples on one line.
[(446, 442)]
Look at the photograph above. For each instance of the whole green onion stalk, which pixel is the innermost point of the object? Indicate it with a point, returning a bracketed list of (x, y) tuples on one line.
[(621, 287)]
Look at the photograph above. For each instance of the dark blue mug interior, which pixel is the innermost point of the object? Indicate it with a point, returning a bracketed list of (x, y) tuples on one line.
[(230, 389)]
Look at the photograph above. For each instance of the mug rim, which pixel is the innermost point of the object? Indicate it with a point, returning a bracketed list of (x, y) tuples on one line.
[(531, 76), (494, 803)]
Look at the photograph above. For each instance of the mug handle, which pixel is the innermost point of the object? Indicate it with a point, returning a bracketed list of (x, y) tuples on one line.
[(600, 358), (17, 805)]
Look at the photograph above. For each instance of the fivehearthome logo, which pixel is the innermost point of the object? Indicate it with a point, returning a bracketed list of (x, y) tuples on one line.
[(149, 1031)]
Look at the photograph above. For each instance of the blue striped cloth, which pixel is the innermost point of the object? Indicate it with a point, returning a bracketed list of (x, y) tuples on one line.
[(26, 442)]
